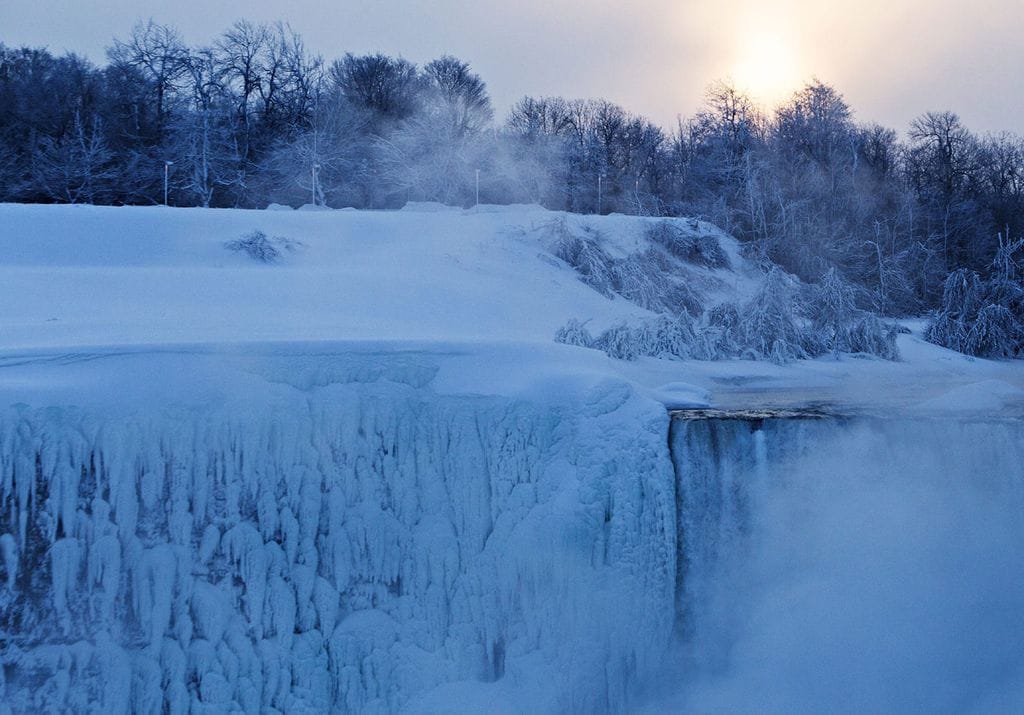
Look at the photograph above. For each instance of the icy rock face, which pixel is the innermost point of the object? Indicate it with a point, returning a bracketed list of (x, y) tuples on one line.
[(345, 551)]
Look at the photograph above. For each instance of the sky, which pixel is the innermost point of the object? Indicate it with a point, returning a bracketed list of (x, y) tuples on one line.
[(891, 59)]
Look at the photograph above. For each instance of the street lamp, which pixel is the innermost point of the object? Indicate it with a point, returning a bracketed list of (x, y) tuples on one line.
[(167, 170)]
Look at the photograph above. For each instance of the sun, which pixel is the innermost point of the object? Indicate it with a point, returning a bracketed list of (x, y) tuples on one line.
[(766, 68)]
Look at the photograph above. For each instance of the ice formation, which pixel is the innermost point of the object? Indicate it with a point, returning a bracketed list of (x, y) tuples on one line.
[(346, 549)]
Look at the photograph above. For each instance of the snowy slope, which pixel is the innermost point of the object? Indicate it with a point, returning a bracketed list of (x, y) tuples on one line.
[(102, 276), (469, 283), (363, 476)]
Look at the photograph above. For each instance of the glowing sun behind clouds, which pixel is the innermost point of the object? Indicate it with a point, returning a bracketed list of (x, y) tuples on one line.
[(766, 67)]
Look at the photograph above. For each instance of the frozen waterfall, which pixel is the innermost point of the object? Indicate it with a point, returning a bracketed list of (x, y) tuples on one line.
[(350, 548), (365, 544)]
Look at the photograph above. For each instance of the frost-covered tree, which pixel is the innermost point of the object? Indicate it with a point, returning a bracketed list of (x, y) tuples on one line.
[(434, 155), (76, 168), (768, 327), (387, 88), (207, 153), (984, 317), (458, 94)]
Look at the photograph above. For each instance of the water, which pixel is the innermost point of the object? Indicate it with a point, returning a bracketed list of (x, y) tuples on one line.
[(848, 565)]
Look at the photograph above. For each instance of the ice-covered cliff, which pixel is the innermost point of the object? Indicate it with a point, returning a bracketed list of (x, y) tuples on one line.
[(349, 546)]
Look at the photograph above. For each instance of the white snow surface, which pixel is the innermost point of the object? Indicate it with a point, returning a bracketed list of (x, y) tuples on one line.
[(362, 478), (477, 290)]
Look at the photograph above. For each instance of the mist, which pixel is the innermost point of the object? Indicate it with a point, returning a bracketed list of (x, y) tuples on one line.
[(878, 570)]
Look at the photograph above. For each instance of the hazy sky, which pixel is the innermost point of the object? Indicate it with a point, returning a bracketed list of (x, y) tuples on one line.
[(892, 59)]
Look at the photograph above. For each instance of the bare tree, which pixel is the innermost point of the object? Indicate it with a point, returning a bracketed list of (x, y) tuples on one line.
[(386, 87), (159, 52)]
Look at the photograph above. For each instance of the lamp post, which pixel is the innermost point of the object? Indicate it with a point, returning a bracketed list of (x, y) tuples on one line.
[(167, 171), (316, 168)]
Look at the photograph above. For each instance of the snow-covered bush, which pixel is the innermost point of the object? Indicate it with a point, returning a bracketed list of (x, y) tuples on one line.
[(259, 247), (697, 248), (783, 321), (771, 326), (667, 336), (837, 325), (720, 332), (594, 265), (983, 318), (574, 333), (647, 279), (995, 332), (664, 336), (619, 341), (768, 327), (869, 335)]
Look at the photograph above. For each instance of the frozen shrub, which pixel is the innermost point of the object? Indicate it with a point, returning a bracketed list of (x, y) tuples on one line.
[(664, 337), (574, 333), (947, 331), (837, 325), (768, 327), (646, 279), (995, 332), (618, 342), (720, 333), (667, 336), (983, 318), (690, 246), (594, 265), (259, 247), (869, 335)]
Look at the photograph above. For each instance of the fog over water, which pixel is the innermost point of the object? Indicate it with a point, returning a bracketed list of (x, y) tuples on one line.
[(863, 567)]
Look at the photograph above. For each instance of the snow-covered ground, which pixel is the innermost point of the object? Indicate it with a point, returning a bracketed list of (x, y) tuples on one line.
[(477, 293), (364, 475)]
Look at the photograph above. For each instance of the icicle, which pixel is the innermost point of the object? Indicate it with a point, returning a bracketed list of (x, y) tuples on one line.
[(9, 553)]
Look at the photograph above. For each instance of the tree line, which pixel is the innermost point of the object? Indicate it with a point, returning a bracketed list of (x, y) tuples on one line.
[(255, 118)]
